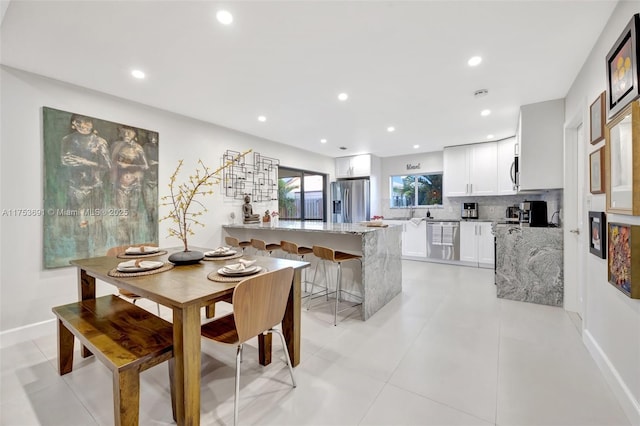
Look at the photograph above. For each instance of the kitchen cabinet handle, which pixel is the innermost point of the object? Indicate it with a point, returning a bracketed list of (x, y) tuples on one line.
[(575, 231)]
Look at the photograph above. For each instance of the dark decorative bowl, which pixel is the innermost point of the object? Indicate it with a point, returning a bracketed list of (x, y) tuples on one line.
[(187, 257)]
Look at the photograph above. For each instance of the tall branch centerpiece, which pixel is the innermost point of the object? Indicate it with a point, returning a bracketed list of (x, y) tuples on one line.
[(185, 209)]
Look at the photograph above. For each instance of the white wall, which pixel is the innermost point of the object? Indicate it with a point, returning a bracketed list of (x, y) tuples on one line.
[(611, 323), (27, 291)]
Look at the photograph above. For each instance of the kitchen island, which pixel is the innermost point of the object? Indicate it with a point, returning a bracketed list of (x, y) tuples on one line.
[(529, 264), (380, 279)]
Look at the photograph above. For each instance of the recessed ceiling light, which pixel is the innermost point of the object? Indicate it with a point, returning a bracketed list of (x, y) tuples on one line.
[(137, 74), (391, 129), (474, 61), (416, 146), (262, 118), (490, 136), (224, 17), (343, 96), (485, 112), (323, 141)]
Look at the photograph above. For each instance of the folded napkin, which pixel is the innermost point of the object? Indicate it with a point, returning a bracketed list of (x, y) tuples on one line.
[(138, 264), (141, 250), (244, 264), (221, 250), (416, 221)]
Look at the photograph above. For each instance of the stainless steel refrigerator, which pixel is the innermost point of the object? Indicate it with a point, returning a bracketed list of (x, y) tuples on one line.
[(350, 201)]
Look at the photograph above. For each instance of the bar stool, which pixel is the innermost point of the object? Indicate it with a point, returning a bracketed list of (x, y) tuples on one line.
[(261, 245), (234, 242), (326, 254), (299, 252)]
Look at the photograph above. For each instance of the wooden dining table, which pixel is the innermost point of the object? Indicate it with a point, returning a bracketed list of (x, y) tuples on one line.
[(185, 289)]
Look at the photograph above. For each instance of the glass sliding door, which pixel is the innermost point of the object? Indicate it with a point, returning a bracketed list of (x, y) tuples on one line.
[(301, 194)]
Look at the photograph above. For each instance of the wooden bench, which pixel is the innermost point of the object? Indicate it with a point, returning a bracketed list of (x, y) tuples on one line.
[(124, 337)]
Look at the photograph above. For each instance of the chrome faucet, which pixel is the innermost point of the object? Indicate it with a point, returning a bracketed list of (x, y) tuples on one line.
[(411, 211)]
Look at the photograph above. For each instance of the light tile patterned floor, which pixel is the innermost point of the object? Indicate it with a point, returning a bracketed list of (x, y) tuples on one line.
[(444, 352)]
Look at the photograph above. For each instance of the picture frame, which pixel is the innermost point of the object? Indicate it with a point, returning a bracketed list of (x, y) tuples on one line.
[(597, 236), (622, 161), (596, 123), (623, 264), (622, 68), (596, 175), (100, 186)]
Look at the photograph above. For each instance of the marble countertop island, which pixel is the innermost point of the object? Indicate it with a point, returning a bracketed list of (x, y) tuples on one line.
[(380, 278), (310, 226), (529, 264)]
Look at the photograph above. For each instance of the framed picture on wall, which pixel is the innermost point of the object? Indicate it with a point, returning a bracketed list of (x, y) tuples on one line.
[(100, 186), (596, 124), (622, 68), (597, 237), (623, 265), (596, 181), (622, 151)]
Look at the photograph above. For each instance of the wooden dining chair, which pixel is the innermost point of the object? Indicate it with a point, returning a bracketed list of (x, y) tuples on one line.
[(259, 305), (118, 250)]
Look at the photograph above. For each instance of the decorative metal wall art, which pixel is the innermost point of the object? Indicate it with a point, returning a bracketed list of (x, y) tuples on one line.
[(256, 176)]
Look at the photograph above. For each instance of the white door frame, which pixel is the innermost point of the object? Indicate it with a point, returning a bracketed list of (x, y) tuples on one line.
[(575, 208)]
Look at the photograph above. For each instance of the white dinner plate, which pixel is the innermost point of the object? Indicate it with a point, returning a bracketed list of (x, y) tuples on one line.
[(137, 251), (247, 271), (147, 265), (213, 253)]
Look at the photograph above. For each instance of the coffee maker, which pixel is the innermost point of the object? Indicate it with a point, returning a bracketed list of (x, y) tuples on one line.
[(469, 211), (534, 213)]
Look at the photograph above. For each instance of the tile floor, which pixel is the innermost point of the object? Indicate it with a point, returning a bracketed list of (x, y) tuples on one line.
[(444, 352)]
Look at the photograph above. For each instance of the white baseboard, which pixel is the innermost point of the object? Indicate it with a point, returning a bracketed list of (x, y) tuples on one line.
[(629, 404), (26, 333)]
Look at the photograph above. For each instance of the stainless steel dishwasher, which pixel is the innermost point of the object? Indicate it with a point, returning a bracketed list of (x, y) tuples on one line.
[(443, 240)]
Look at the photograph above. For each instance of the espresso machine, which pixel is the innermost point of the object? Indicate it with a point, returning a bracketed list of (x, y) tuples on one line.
[(534, 213), (469, 211)]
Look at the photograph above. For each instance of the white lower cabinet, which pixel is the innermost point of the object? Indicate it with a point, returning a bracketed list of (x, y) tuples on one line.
[(414, 240), (477, 244)]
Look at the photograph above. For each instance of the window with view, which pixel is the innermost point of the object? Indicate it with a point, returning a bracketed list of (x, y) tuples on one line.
[(301, 194), (416, 190)]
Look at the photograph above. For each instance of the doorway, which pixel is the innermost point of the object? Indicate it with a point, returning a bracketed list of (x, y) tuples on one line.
[(575, 211)]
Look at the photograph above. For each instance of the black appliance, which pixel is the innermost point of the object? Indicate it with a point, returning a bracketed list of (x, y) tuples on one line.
[(512, 214), (534, 213), (469, 211)]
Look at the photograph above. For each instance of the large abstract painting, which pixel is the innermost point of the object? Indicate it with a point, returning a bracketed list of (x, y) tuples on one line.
[(100, 186)]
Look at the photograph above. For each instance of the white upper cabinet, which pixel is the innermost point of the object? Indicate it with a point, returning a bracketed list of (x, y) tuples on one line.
[(354, 166), (506, 167), (455, 177), (541, 144), (470, 170)]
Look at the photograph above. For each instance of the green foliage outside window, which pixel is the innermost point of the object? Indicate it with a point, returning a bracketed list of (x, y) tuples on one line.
[(416, 190)]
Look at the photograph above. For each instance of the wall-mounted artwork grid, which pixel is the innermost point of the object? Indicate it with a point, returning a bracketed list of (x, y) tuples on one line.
[(256, 176)]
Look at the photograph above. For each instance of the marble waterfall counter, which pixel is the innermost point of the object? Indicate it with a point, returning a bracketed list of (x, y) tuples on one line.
[(529, 264), (381, 250)]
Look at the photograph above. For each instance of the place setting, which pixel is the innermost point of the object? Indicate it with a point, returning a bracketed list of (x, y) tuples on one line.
[(136, 252), (222, 253), (139, 267), (236, 271)]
